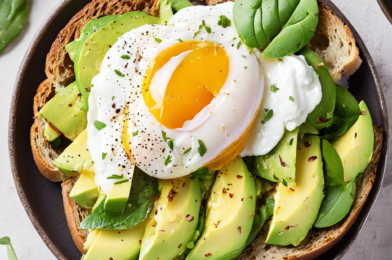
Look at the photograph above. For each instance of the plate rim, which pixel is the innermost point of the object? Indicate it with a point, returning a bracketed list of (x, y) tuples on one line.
[(34, 45)]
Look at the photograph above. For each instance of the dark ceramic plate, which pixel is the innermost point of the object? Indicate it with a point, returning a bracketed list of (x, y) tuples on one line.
[(386, 7), (42, 198)]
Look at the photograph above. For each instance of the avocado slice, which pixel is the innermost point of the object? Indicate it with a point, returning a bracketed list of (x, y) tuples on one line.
[(71, 49), (75, 157), (91, 50), (85, 192), (230, 212), (355, 147), (118, 196), (101, 196), (296, 208), (65, 111), (114, 244), (279, 163), (173, 221), (50, 133)]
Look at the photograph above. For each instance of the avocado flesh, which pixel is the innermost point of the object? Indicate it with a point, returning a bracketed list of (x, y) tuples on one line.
[(91, 51), (75, 157), (279, 164), (172, 224), (355, 147), (115, 244), (101, 196), (118, 197), (296, 208), (49, 133), (230, 212), (71, 49), (65, 111), (85, 192)]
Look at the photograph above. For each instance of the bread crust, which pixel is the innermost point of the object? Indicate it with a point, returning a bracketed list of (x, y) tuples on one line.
[(59, 71)]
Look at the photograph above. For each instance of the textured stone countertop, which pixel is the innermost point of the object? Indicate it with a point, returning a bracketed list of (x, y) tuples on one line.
[(375, 239)]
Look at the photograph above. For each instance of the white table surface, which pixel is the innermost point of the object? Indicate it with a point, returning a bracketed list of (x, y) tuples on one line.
[(375, 240)]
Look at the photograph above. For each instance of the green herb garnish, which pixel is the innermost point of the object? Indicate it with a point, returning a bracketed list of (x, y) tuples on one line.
[(135, 133), (224, 21), (188, 150), (170, 144), (243, 56), (274, 88), (125, 57), (122, 181), (104, 156), (99, 125), (291, 98), (168, 160), (284, 182), (239, 45), (164, 136), (291, 141), (202, 148), (119, 73), (115, 176), (267, 116), (180, 40), (158, 40)]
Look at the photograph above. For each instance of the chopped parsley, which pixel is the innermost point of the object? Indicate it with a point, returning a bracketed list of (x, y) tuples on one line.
[(170, 144), (202, 148), (274, 88), (267, 116), (158, 40), (125, 57), (164, 136), (99, 125), (188, 150), (245, 67), (180, 40), (284, 183), (135, 133), (291, 141), (122, 181), (291, 98), (104, 156), (113, 98), (239, 45), (119, 73), (224, 21), (115, 176), (243, 56), (168, 160), (203, 25)]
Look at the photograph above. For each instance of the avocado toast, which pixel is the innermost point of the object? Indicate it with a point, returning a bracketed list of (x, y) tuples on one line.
[(60, 73)]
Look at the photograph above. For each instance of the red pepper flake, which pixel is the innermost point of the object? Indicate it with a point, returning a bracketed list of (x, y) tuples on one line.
[(156, 211), (171, 195), (208, 255), (239, 177), (282, 162), (239, 229), (321, 120), (242, 199), (111, 258), (251, 214), (224, 190), (312, 158), (307, 144), (290, 227), (217, 224), (320, 64), (299, 45), (291, 189), (183, 185), (161, 230), (231, 195), (250, 197), (363, 112), (180, 246), (189, 218)]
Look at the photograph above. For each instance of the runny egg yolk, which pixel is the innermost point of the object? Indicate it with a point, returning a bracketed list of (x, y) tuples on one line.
[(193, 84)]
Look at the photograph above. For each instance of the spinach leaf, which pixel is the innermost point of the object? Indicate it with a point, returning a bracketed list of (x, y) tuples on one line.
[(140, 205), (13, 17), (10, 250), (333, 166), (346, 112), (203, 173), (262, 215), (336, 204)]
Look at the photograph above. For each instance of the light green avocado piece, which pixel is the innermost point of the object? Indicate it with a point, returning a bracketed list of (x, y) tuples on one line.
[(101, 196), (286, 9), (270, 18), (49, 133), (114, 244), (230, 212), (296, 207), (65, 111), (118, 197), (165, 11), (85, 192), (176, 5), (173, 221), (355, 147), (321, 116), (244, 13), (261, 37), (297, 32), (91, 51), (279, 163), (336, 204), (76, 157), (71, 49)]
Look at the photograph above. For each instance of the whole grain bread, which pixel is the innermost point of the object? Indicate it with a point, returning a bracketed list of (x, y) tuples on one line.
[(339, 52)]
